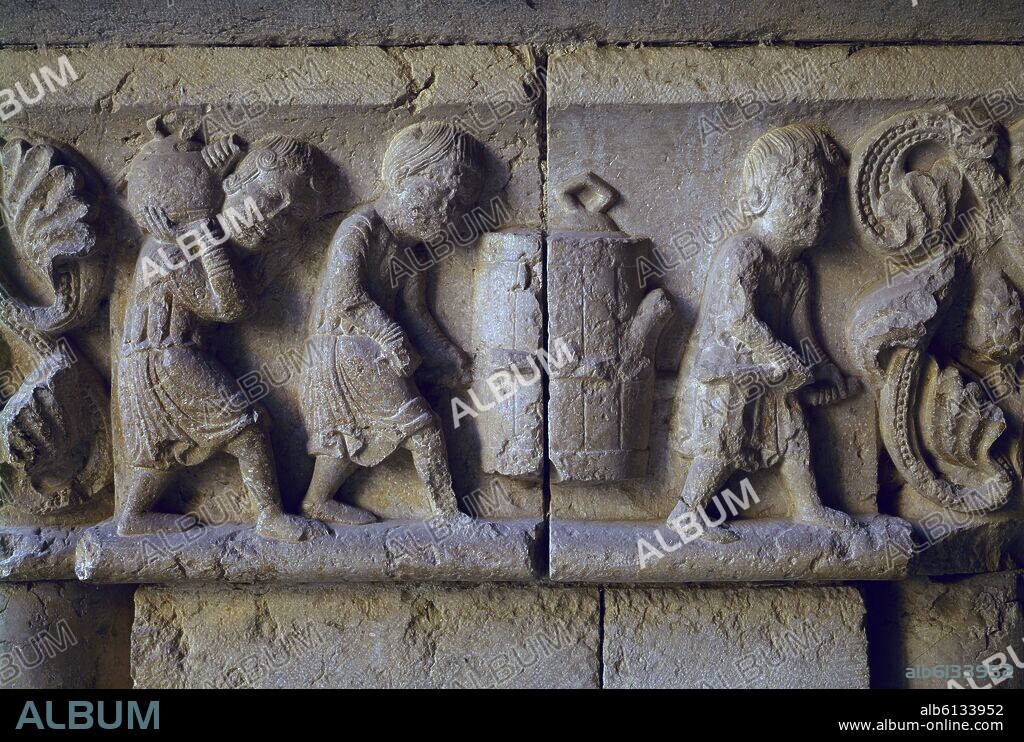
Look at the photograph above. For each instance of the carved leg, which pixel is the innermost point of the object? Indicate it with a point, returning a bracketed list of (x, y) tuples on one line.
[(431, 459), (256, 462), (704, 479), (801, 486), (328, 476), (144, 488)]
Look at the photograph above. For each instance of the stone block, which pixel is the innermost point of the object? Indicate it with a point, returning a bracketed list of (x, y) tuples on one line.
[(475, 551), (366, 637), (394, 22), (64, 635), (939, 631), (749, 637)]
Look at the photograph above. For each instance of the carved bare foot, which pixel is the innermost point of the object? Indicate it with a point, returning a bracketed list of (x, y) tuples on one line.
[(826, 518), (716, 534), (289, 528), (151, 523), (333, 511)]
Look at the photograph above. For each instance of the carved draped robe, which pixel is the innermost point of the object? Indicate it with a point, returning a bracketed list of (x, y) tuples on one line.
[(178, 404), (728, 409), (356, 405)]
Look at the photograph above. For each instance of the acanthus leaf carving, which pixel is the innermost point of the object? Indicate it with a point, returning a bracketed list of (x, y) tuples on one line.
[(48, 220), (911, 177), (908, 213), (55, 429)]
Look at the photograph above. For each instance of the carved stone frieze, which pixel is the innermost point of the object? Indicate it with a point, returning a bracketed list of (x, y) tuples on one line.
[(337, 336), (271, 384), (55, 435), (846, 291)]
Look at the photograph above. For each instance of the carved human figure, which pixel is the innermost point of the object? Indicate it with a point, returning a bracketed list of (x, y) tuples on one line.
[(360, 398), (740, 404), (179, 406)]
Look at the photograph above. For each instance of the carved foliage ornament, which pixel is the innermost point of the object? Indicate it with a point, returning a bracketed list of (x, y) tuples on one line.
[(928, 198), (55, 430)]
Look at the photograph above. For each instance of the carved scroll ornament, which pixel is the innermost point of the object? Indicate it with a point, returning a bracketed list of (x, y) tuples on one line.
[(55, 429), (915, 179)]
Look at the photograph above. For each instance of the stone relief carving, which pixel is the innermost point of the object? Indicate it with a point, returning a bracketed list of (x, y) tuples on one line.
[(508, 333), (741, 401), (371, 372), (755, 323), (360, 399), (914, 179), (604, 331), (55, 435), (179, 406)]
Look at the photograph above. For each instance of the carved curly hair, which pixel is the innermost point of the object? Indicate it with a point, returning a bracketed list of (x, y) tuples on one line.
[(418, 146), (780, 151), (280, 152)]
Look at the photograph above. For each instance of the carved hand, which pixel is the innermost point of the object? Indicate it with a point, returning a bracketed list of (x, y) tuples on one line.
[(231, 298), (398, 354), (158, 224), (834, 388), (222, 153)]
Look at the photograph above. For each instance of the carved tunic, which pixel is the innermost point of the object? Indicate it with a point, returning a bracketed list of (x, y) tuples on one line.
[(730, 408), (356, 404), (178, 404)]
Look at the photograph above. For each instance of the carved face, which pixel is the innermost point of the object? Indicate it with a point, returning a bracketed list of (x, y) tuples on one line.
[(797, 213), (261, 210), (431, 202)]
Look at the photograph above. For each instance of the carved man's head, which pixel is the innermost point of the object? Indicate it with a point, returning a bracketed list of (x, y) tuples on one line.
[(277, 187), (789, 178), (433, 173)]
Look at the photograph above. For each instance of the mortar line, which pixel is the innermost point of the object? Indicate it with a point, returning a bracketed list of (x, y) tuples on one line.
[(541, 64)]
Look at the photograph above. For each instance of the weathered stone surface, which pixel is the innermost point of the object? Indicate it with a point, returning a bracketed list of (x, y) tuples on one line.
[(493, 21), (365, 637), (316, 134), (478, 551), (790, 272), (937, 632), (878, 549), (619, 414), (508, 334), (41, 553), (804, 368), (771, 637), (945, 547), (56, 462), (64, 635), (603, 328)]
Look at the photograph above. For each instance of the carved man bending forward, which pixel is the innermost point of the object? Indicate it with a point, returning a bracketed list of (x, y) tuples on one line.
[(360, 398), (754, 316)]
